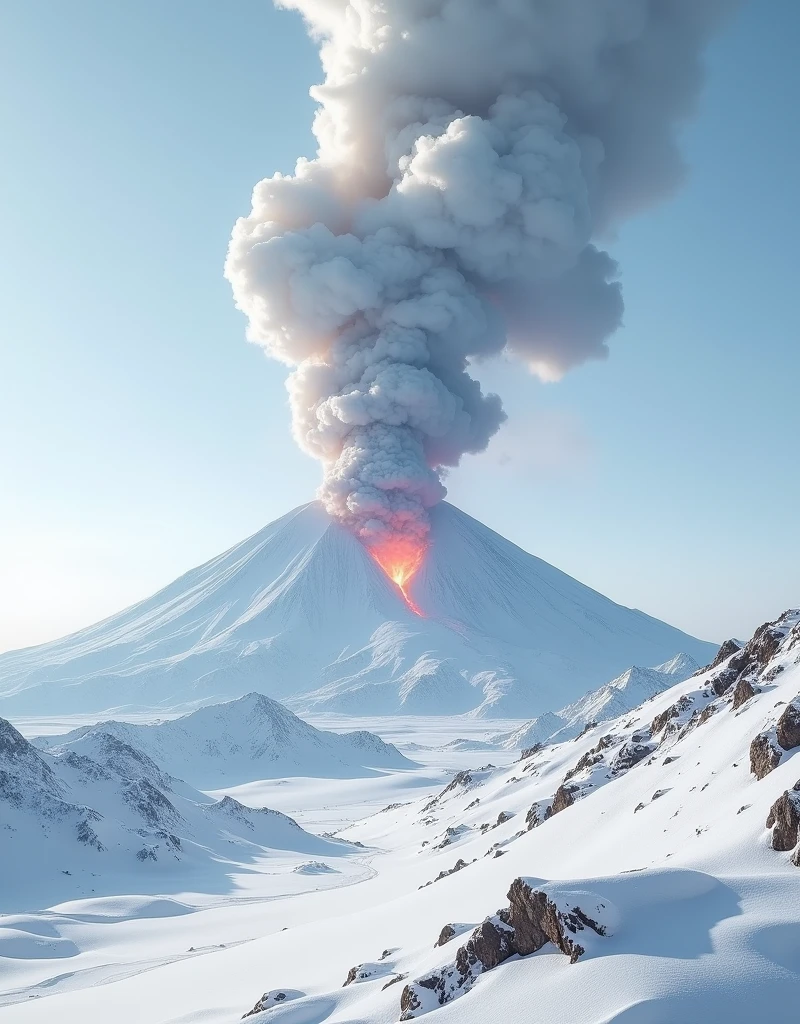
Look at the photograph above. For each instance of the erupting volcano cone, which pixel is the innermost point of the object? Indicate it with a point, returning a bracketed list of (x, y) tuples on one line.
[(308, 613), (400, 558)]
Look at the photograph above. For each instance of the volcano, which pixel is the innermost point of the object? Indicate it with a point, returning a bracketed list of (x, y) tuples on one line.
[(301, 612)]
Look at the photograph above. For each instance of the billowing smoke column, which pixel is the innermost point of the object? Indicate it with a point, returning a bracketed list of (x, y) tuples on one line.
[(469, 152)]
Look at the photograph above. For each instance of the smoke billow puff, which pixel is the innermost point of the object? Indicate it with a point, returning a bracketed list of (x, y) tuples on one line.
[(469, 153)]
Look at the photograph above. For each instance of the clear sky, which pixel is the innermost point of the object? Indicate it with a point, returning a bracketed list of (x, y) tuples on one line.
[(140, 434)]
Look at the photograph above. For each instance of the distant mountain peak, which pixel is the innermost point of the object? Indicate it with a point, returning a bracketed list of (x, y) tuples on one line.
[(301, 610)]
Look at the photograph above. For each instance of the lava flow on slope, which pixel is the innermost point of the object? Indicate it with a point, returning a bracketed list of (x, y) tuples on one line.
[(400, 558)]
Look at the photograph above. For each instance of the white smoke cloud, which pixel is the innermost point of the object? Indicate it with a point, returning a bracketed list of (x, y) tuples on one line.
[(470, 153)]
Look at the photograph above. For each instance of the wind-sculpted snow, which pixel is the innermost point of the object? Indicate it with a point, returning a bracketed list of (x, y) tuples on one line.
[(301, 612)]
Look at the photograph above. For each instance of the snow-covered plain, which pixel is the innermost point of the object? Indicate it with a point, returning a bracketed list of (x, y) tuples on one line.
[(653, 822)]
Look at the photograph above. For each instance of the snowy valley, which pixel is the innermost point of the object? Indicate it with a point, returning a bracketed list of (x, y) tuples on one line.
[(640, 868)]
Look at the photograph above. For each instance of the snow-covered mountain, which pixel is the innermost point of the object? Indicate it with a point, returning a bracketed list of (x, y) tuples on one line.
[(302, 612), (665, 845), (239, 741), (630, 689), (101, 809)]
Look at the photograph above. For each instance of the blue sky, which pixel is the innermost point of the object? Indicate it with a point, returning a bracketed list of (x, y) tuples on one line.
[(140, 434)]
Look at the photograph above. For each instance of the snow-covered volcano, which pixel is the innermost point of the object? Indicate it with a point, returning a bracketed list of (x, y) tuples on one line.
[(301, 611)]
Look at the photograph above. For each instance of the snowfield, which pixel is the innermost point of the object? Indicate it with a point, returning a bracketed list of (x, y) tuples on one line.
[(626, 875), (301, 612)]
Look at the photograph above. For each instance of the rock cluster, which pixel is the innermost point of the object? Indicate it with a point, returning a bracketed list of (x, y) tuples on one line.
[(766, 751), (784, 820), (530, 921), (273, 998)]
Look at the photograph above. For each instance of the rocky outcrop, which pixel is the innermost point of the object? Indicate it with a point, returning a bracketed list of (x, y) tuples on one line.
[(564, 797), (764, 756), (767, 748), (530, 751), (537, 813), (726, 650), (363, 972), (629, 755), (753, 658), (674, 711), (784, 820), (531, 920), (445, 935), (535, 919), (275, 997), (743, 692), (787, 730), (459, 865)]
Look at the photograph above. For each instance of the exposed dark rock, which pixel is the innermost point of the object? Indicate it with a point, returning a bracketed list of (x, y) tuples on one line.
[(360, 973), (588, 760), (458, 866), (764, 756), (756, 654), (726, 650), (744, 691), (535, 919), (410, 1001), (394, 981), (724, 679), (698, 718), (787, 730), (629, 755), (86, 834), (676, 709), (503, 817), (564, 797), (445, 935), (784, 820), (530, 751), (537, 813), (587, 728), (530, 921), (268, 1000)]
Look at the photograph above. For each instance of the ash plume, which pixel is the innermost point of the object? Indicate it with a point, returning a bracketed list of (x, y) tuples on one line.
[(470, 154)]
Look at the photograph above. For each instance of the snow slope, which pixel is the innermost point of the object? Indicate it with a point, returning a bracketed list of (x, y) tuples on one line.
[(652, 825), (626, 692), (301, 611), (242, 740), (99, 813)]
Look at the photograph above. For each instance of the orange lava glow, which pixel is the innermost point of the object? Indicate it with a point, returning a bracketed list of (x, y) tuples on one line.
[(400, 558)]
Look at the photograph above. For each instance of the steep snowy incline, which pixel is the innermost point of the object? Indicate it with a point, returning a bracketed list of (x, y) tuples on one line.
[(302, 612), (630, 689), (242, 740)]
